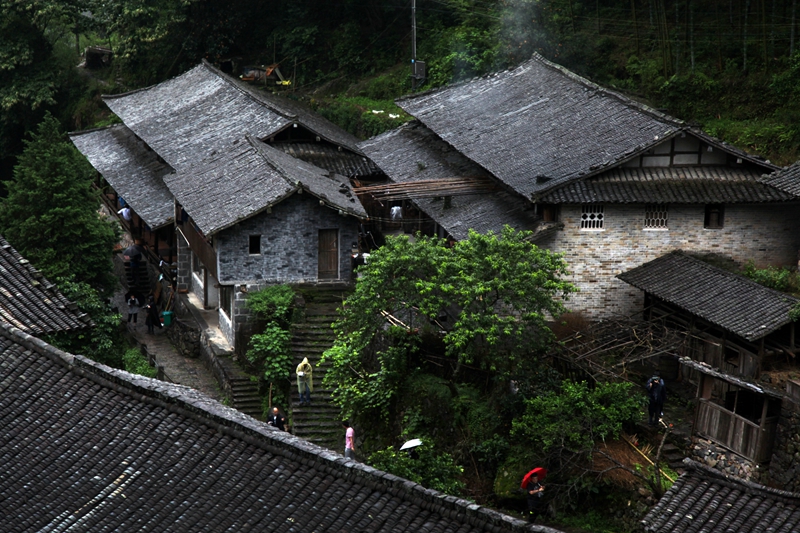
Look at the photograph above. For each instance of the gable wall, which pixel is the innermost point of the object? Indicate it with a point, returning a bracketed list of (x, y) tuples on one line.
[(289, 249), (289, 243), (767, 234)]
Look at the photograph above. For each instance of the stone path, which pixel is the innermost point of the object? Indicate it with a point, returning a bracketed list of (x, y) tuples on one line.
[(177, 368)]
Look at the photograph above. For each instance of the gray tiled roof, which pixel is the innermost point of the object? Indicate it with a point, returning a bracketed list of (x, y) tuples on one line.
[(28, 301), (412, 152), (539, 125), (728, 300), (188, 118), (686, 185), (248, 177), (787, 179), (705, 500), (89, 448), (331, 158), (133, 170)]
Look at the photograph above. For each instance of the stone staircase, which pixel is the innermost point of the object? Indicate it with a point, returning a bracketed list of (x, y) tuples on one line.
[(245, 398), (320, 422)]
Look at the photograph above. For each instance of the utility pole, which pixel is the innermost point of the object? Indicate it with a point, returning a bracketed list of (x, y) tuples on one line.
[(417, 67)]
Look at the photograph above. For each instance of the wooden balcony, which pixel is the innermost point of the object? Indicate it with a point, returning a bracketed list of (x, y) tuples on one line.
[(200, 247), (735, 432)]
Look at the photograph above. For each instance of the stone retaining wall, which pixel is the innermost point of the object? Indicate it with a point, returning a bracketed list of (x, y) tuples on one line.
[(715, 456), (784, 471)]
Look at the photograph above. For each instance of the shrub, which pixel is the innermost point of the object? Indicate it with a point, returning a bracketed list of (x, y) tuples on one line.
[(429, 469), (135, 363)]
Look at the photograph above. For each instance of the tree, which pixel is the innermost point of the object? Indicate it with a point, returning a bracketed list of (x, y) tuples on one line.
[(563, 429), (480, 304), (103, 342), (51, 213), (270, 351)]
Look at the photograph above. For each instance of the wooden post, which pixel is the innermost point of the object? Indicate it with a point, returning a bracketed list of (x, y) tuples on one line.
[(205, 287)]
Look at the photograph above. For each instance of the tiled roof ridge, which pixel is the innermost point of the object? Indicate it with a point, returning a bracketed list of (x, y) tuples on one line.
[(330, 202), (192, 404), (717, 269), (259, 97), (702, 135), (630, 102), (249, 92), (46, 285), (777, 178), (92, 130), (705, 471)]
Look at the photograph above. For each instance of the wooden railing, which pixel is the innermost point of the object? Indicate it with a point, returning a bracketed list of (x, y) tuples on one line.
[(200, 247), (735, 432)]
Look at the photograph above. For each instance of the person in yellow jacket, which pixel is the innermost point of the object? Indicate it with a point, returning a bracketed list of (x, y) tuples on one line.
[(305, 383)]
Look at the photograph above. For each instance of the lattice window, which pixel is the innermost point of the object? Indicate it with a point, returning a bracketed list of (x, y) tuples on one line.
[(592, 216), (656, 216)]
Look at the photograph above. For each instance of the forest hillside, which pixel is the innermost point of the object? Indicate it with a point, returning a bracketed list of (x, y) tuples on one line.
[(731, 66)]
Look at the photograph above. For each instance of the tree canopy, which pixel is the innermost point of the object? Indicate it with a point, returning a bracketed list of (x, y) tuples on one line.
[(421, 307), (51, 213)]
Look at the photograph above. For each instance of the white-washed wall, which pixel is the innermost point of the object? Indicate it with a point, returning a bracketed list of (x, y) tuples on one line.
[(766, 234)]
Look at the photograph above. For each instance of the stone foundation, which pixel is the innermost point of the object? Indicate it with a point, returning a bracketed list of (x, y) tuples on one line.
[(706, 452), (784, 471), (184, 334)]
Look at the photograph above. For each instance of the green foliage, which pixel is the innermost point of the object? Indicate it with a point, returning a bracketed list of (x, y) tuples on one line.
[(431, 470), (272, 303), (593, 520), (136, 363), (577, 416), (781, 279), (270, 350), (794, 312), (482, 303), (362, 116), (51, 213), (103, 342)]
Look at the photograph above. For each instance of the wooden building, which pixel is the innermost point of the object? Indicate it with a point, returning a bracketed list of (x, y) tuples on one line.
[(735, 330), (252, 187)]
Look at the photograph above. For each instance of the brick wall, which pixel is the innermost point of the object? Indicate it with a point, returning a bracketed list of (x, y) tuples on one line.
[(289, 244), (766, 234)]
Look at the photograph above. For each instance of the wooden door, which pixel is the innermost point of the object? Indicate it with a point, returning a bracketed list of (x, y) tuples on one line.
[(328, 254)]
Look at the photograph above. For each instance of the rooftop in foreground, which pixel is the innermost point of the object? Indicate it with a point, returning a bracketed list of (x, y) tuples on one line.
[(98, 449)]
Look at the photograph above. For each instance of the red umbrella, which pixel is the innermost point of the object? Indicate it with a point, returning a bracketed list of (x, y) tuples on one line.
[(538, 471)]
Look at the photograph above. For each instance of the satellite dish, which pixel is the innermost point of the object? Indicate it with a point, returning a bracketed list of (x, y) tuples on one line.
[(413, 443)]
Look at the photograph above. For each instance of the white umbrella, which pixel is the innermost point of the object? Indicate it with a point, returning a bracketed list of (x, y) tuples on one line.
[(413, 443)]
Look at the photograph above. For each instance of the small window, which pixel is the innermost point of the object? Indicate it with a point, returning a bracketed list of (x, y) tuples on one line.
[(592, 216), (548, 212), (255, 244), (197, 266), (226, 299), (656, 216), (715, 216)]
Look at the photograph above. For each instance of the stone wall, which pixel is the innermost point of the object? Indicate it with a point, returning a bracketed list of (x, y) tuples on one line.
[(184, 263), (784, 469), (715, 456), (185, 336), (766, 234), (289, 244)]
